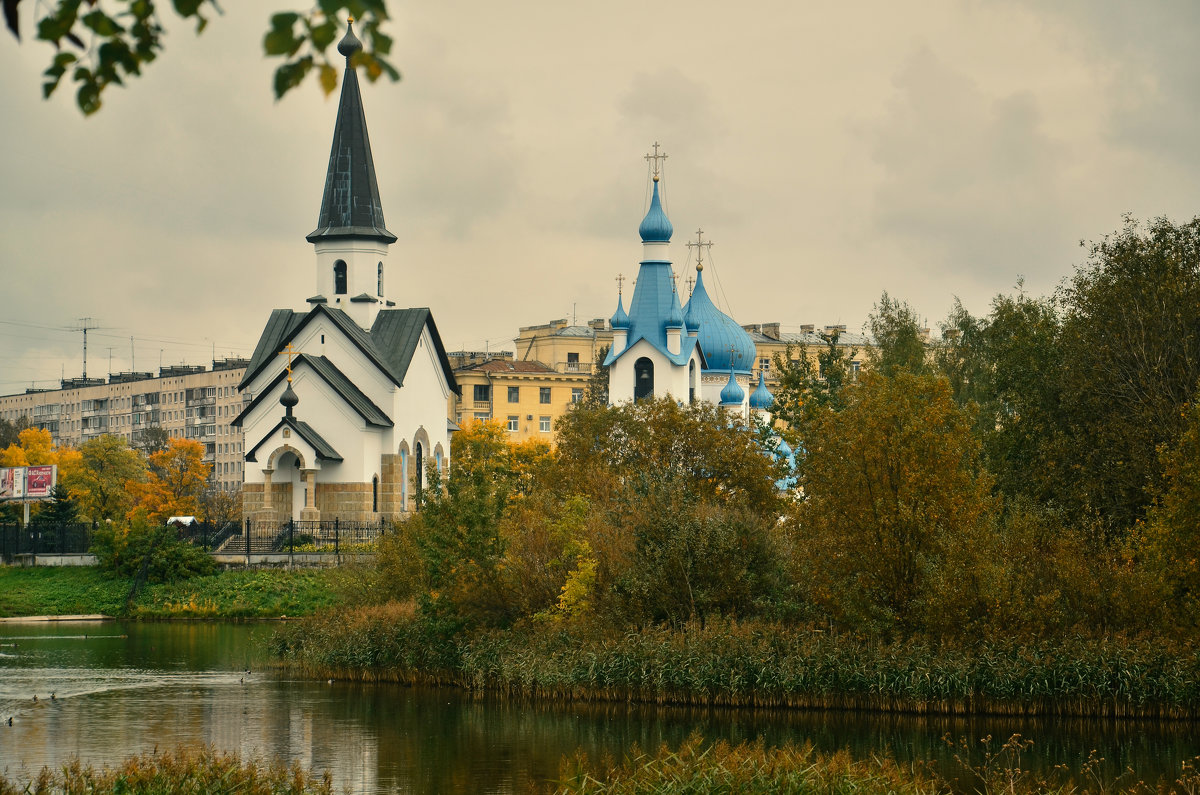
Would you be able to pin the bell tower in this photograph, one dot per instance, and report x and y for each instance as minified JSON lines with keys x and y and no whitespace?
{"x":351,"y":239}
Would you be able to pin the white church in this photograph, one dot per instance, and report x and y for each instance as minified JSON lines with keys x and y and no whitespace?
{"x":690,"y":352}
{"x":350,"y":394}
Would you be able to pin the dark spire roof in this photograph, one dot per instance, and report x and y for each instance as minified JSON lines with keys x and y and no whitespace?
{"x":350,"y":205}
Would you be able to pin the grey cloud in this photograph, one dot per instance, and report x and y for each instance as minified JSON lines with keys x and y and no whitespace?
{"x":969,"y":180}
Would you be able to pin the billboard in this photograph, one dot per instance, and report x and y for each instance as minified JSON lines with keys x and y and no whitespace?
{"x":28,"y":483}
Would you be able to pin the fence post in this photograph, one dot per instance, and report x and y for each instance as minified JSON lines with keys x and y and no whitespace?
{"x":291,"y":543}
{"x":35,"y":534}
{"x":336,"y":536}
{"x":249,"y":525}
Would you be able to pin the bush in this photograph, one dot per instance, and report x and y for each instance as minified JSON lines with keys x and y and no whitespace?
{"x":153,"y":552}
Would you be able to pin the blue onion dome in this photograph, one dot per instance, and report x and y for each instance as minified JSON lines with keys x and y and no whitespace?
{"x":783,"y":449}
{"x":691,"y":318}
{"x":718,"y":332}
{"x":733,"y":393}
{"x":620,"y":320}
{"x":656,"y":227}
{"x":761,"y":398}
{"x":674,"y":314}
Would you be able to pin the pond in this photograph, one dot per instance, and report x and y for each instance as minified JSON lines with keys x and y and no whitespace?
{"x":106,"y":690}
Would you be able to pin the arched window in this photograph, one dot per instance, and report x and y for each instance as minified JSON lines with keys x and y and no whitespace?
{"x":419,"y":460}
{"x":643,"y":378}
{"x":692,"y":381}
{"x":379,"y":281}
{"x":375,"y":494}
{"x":403,"y":479}
{"x":339,"y":277}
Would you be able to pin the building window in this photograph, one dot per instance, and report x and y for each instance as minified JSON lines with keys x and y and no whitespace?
{"x":482,"y":416}
{"x":572,"y":362}
{"x":339,"y":277}
{"x":514,"y":422}
{"x":375,"y":494}
{"x":379,"y":281}
{"x":544,"y":424}
{"x":577,"y":394}
{"x":514,"y":394}
{"x":764,"y":364}
{"x":544,"y":394}
{"x":854,"y":368}
{"x":483,"y":393}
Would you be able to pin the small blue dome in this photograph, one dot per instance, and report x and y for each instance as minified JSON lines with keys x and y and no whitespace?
{"x":761,"y":398}
{"x":691,"y":318}
{"x":718,"y":332}
{"x":674,"y":314}
{"x":733,"y":393}
{"x":620,"y":320}
{"x":656,"y":227}
{"x":783,"y":450}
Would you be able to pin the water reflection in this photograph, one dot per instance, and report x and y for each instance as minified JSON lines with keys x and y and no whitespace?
{"x":121,"y":688}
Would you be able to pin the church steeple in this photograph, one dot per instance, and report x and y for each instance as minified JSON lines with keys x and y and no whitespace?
{"x":350,"y":205}
{"x":351,"y":239}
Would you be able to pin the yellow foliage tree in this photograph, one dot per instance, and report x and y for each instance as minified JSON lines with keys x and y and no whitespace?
{"x":36,"y":447}
{"x":178,"y":476}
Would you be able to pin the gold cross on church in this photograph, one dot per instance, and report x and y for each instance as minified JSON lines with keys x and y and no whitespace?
{"x":620,"y":282}
{"x":289,"y":351}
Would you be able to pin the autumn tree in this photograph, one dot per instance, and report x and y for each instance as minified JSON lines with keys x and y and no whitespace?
{"x":177,"y":478}
{"x":104,"y":44}
{"x":897,"y":342}
{"x":894,"y":488}
{"x":103,"y":483}
{"x":804,"y":386}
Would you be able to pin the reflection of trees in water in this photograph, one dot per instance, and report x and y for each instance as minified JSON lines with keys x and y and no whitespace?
{"x":390,"y":737}
{"x":433,"y":740}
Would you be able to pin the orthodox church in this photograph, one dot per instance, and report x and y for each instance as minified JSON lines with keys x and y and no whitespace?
{"x":348,"y":397}
{"x":690,"y":352}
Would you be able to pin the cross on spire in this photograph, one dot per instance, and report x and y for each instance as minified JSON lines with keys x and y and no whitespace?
{"x":654,"y":158}
{"x":620,"y":282}
{"x":701,"y":246}
{"x":691,"y":281}
{"x":733,"y":352}
{"x":289,"y":351}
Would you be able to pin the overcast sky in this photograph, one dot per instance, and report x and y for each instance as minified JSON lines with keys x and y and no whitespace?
{"x":831,"y":151}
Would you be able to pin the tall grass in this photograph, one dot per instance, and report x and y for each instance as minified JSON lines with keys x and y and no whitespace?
{"x":761,"y":665}
{"x":187,"y":770}
{"x":695,"y":767}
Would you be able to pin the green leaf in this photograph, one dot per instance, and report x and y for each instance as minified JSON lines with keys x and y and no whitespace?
{"x":281,"y":39}
{"x":329,"y":79}
{"x":323,"y":35}
{"x":102,"y":23}
{"x":187,"y":8}
{"x":291,"y":74}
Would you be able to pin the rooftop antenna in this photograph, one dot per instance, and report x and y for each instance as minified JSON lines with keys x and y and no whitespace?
{"x":84,"y":324}
{"x":132,"y":365}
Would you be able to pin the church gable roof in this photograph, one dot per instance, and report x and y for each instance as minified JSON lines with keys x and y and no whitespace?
{"x":337,"y":381}
{"x":389,"y":345}
{"x":322,"y":448}
{"x":396,"y":333}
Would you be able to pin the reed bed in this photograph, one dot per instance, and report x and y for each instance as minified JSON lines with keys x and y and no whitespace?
{"x":747,"y":768}
{"x":186,"y":770}
{"x":760,"y":665}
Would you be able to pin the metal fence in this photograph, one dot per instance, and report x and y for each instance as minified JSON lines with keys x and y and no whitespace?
{"x":44,"y":539}
{"x":332,"y":537}
{"x":294,"y":537}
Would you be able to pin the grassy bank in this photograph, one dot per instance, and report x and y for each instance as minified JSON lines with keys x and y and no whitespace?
{"x":238,"y":593}
{"x":759,"y":664}
{"x":202,"y":770}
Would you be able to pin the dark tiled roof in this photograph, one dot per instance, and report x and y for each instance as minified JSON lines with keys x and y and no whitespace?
{"x":336,"y":380}
{"x":350,"y":205}
{"x":390,"y":344}
{"x":324,"y":449}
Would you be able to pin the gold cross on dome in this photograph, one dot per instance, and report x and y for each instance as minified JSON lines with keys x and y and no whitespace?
{"x":691,"y":282}
{"x":654,"y":158}
{"x":289,"y":351}
{"x":620,"y":282}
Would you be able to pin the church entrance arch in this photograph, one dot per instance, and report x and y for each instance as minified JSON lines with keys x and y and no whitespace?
{"x":288,"y":464}
{"x":643,"y":378}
